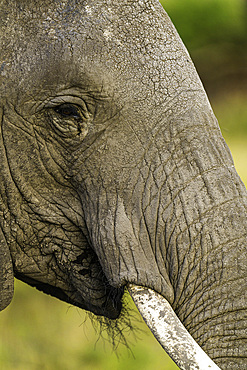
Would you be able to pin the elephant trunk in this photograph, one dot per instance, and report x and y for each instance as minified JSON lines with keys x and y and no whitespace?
{"x":205,"y":250}
{"x":205,"y":238}
{"x":210,"y":291}
{"x":175,"y":221}
{"x":201,"y":225}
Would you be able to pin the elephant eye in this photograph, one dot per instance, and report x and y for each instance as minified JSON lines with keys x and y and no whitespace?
{"x":68,"y":111}
{"x":68,"y":120}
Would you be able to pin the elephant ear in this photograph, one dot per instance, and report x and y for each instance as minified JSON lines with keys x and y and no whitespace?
{"x":6,"y":274}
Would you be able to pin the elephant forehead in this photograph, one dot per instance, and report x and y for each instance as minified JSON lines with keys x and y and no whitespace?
{"x":86,"y":26}
{"x":36,"y":39}
{"x":133,"y":41}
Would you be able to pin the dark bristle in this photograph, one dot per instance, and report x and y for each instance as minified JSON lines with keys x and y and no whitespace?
{"x":120,"y":331}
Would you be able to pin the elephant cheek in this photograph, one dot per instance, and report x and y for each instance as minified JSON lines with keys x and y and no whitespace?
{"x":6,"y":274}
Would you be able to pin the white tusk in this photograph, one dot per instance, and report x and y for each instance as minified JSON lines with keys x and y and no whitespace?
{"x":169,"y":331}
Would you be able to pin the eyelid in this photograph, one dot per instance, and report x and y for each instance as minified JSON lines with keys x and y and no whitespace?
{"x":53,"y":102}
{"x":59,"y":100}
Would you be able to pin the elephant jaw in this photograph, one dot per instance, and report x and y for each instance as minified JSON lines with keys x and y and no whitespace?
{"x":169,"y":331}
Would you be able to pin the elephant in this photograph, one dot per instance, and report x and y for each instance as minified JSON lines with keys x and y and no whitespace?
{"x":115,"y":174}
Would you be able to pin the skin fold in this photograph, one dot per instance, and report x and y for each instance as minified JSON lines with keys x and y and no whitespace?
{"x":114,"y":170}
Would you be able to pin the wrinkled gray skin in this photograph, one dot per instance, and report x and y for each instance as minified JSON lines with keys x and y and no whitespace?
{"x":114,"y":170}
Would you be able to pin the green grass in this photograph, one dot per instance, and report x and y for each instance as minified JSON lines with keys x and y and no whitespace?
{"x":239,"y":153}
{"x":231,"y":111}
{"x":208,"y":21}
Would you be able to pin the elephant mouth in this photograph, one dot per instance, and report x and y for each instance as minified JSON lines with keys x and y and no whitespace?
{"x":110,"y":308}
{"x":72,"y":272}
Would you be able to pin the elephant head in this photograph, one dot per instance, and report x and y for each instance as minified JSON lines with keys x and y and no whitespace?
{"x":114,"y":170}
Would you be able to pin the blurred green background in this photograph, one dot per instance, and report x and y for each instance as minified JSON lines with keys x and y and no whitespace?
{"x":40,"y":332}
